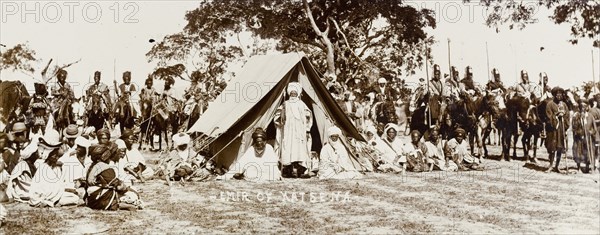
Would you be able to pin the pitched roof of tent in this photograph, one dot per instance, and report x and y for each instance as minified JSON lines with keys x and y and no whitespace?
{"x":259,"y":76}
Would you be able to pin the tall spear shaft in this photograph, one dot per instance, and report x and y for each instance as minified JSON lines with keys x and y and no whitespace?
{"x":449,"y":63}
{"x":593,"y":73}
{"x":428,"y":90}
{"x":487,"y":53}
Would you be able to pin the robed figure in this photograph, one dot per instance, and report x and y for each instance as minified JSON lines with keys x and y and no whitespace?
{"x":294,"y":121}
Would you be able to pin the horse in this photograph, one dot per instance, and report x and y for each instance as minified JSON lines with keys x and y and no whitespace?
{"x":428,"y":112}
{"x":382,"y":113}
{"x":473,"y":114}
{"x":146,"y":107}
{"x":64,"y":113}
{"x":96,"y":117}
{"x":13,"y":96}
{"x":514,"y":114}
{"x":533,"y":127}
{"x":124,"y":114}
{"x":162,"y":118}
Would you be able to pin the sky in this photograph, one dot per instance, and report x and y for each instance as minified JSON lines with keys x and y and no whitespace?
{"x":113,"y":36}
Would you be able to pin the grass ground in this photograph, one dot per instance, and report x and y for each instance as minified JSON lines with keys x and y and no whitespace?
{"x":505,"y":198}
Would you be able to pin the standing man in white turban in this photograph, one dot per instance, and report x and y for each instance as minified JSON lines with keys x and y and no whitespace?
{"x":294,"y":121}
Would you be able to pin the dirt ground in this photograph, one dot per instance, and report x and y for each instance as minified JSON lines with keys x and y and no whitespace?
{"x":508,"y":197}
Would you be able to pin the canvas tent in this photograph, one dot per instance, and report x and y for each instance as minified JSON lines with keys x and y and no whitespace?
{"x":251,"y":99}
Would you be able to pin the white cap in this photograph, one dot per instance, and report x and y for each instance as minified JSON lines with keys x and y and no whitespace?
{"x":120,"y":144}
{"x":382,"y":80}
{"x":82,"y":141}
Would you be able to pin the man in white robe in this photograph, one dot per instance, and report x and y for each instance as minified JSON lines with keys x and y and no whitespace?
{"x":393,"y":156}
{"x":458,"y":149}
{"x":435,"y":152}
{"x":335,"y":160}
{"x":294,"y":121}
{"x":48,"y":188}
{"x":75,"y":164}
{"x":259,"y":162}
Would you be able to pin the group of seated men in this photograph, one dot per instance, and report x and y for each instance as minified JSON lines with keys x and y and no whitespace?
{"x":77,"y":167}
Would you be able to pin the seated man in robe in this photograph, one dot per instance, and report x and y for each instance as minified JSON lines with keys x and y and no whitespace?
{"x":132,"y":165}
{"x":335,"y":159}
{"x":183,"y":163}
{"x":417,"y":154}
{"x":75,"y":165}
{"x":435,"y":152}
{"x":104,"y":189}
{"x":393,"y":157}
{"x":457,"y":149}
{"x":259,"y":162}
{"x":20,"y":179}
{"x":48,"y":188}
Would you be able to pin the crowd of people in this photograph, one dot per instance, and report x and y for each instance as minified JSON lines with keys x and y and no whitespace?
{"x":82,"y":164}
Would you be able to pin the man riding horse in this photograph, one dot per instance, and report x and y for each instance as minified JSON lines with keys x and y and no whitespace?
{"x":63,"y":98}
{"x":124,"y":110}
{"x":98,"y":103}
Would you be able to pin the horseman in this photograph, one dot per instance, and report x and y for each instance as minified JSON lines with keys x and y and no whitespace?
{"x":495,"y":85}
{"x":196,"y":99}
{"x":436,"y":91}
{"x":147,"y":95}
{"x":453,"y":84}
{"x":467,"y":84}
{"x":384,"y":92}
{"x":100,"y":92}
{"x":125,"y":109}
{"x":524,"y":88}
{"x":63,"y":97}
{"x":545,"y":88}
{"x":349,"y":106}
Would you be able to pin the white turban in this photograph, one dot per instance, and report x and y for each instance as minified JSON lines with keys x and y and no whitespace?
{"x":120,"y":144}
{"x":89,"y":130}
{"x":391,"y":126}
{"x":371,"y":129}
{"x":294,"y":86}
{"x":83,"y":142}
{"x":334,"y":130}
{"x":382,"y":80}
{"x":181,"y":139}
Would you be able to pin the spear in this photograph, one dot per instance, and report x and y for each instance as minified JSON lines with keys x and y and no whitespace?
{"x":593,"y":73}
{"x":487,"y":53}
{"x":428,"y":91}
{"x":449,"y":64}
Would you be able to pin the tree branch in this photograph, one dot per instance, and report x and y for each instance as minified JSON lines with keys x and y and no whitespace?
{"x":311,"y":18}
{"x":345,"y":38}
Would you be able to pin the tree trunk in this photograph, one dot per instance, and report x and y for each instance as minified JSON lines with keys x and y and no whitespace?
{"x":323,"y":38}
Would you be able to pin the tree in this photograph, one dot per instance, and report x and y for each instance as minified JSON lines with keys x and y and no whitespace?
{"x":582,"y":15}
{"x":22,"y":58}
{"x":18,"y":58}
{"x":348,"y":38}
